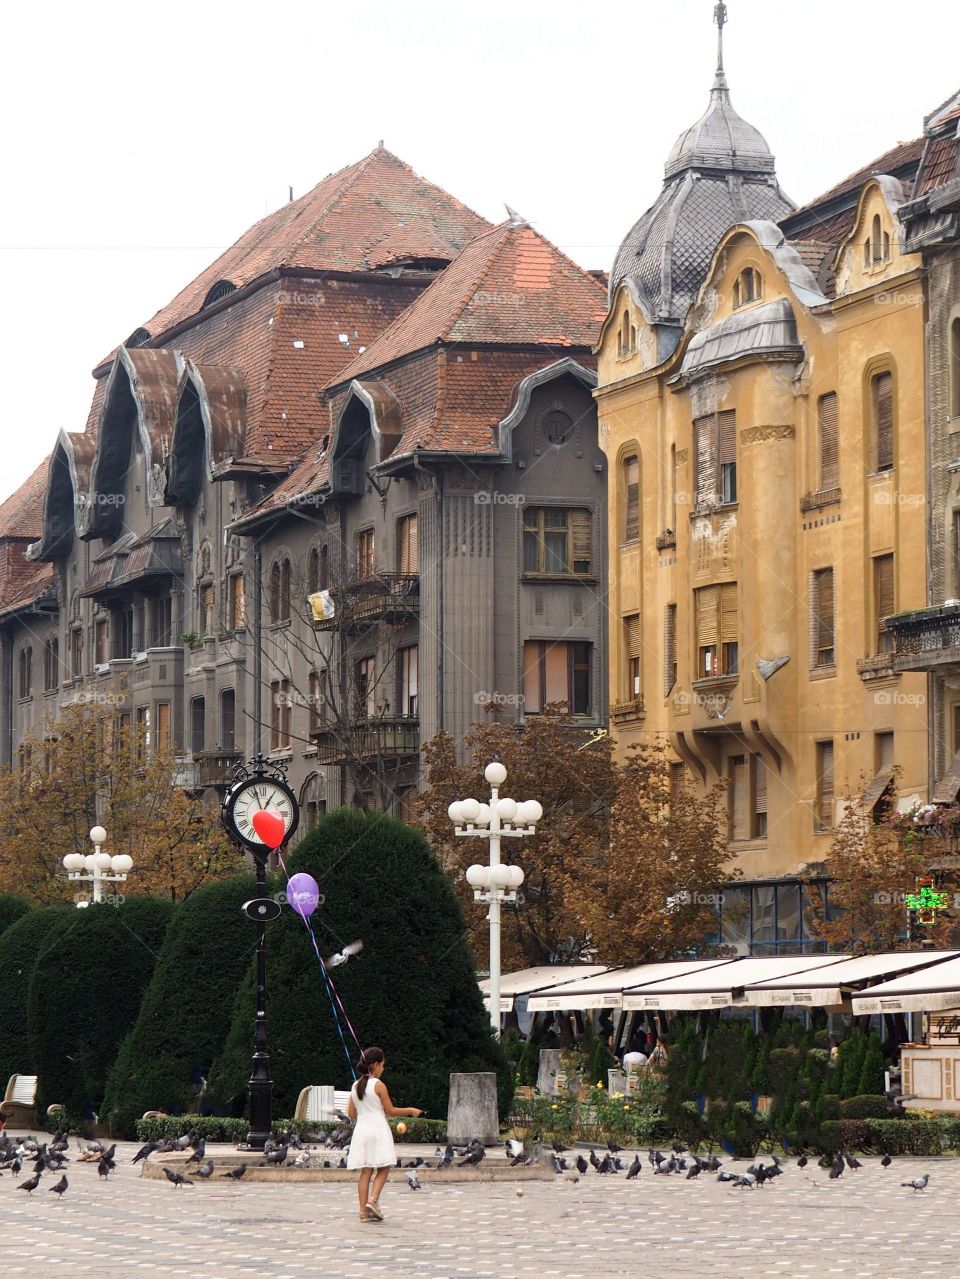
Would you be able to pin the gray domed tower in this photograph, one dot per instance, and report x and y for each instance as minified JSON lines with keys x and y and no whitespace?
{"x":720,"y":172}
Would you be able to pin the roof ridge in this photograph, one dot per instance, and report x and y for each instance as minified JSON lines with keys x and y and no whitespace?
{"x":359,"y":167}
{"x":474,"y":287}
{"x":581,"y":270}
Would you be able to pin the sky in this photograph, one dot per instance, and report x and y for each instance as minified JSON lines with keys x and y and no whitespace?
{"x":142,"y":140}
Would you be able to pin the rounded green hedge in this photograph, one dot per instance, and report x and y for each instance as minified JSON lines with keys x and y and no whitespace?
{"x":184,"y":1018}
{"x":12,"y":908}
{"x":85,"y":995}
{"x":34,"y":934}
{"x":412,"y":990}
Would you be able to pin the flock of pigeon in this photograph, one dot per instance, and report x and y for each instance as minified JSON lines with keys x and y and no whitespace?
{"x":52,"y":1157}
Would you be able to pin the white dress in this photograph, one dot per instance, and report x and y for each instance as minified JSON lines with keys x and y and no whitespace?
{"x":371,"y":1145}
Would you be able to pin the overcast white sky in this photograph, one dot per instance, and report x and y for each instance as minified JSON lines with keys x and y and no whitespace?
{"x":141,"y":140}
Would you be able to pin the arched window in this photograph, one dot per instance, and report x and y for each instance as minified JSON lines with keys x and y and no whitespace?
{"x":275,"y":592}
{"x":324,"y":569}
{"x":228,"y":719}
{"x":222,"y":289}
{"x":631,"y":485}
{"x":626,"y":336}
{"x":51,"y":664}
{"x":284,"y":590}
{"x":313,"y":571}
{"x":747,"y":287}
{"x":955,"y":367}
{"x":876,"y":239}
{"x":26,"y":672}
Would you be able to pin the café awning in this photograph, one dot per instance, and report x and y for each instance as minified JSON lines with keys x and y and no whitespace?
{"x":836,"y":982}
{"x":926,"y":990}
{"x":539,"y":978}
{"x":719,"y":985}
{"x":608,"y":989}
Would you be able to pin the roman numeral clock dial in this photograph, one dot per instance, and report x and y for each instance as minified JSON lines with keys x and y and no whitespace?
{"x":251,"y":795}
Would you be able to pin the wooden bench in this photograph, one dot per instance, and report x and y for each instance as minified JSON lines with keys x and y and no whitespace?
{"x":17,"y":1107}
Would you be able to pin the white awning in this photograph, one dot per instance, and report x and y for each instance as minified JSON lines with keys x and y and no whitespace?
{"x":720,"y":985}
{"x":926,"y":990}
{"x":835,"y":983}
{"x":606,"y":990}
{"x":540,"y":978}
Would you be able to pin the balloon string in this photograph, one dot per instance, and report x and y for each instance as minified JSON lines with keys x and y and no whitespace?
{"x":331,"y":989}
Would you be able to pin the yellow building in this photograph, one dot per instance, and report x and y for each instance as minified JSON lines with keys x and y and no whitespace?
{"x":762,"y":408}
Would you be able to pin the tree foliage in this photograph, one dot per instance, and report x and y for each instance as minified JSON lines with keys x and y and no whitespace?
{"x":90,"y":769}
{"x":412,"y":989}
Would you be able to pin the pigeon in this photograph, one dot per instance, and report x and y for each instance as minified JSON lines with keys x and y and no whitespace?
{"x":514,"y":1148}
{"x":634,"y":1169}
{"x":886,"y":1161}
{"x":918,"y":1183}
{"x":341,"y":957}
{"x":276,"y":1156}
{"x":31,"y":1185}
{"x":187,"y":1139}
{"x":606,"y":1165}
{"x":560,"y":1148}
{"x":446,"y":1158}
{"x":594,"y":1161}
{"x":198,"y":1152}
{"x":176,"y":1178}
{"x":614,"y":1148}
{"x":234,"y":1173}
{"x":60,"y":1187}
{"x":726,"y":1176}
{"x":413,"y":1181}
{"x":146,"y":1151}
{"x":693,"y":1172}
{"x":108,"y":1154}
{"x":473,"y":1157}
{"x":582,"y":1165}
{"x":853,"y":1162}
{"x":105,"y":1166}
{"x":206,"y":1170}
{"x":747,"y":1182}
{"x":802,"y":1161}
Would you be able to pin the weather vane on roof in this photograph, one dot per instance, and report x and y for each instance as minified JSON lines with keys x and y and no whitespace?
{"x":720,"y":18}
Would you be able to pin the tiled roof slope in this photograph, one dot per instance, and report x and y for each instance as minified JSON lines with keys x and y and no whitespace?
{"x":22,"y":583}
{"x":21,"y":515}
{"x":831,"y":215}
{"x":366,"y":216}
{"x":509,"y":287}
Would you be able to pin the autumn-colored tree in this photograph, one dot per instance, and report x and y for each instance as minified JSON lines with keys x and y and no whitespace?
{"x":653,"y":893}
{"x":621,"y":869}
{"x":87,"y":769}
{"x":572,"y":775}
{"x":876,"y":861}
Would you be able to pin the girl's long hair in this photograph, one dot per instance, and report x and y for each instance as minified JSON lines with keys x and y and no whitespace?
{"x":368,"y":1057}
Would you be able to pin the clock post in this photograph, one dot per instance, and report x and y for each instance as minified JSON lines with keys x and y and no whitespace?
{"x":260,"y":812}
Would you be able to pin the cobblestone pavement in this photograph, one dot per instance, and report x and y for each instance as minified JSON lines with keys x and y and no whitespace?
{"x":865,"y":1225}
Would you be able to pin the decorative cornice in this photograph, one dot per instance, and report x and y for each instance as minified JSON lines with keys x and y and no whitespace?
{"x":763,"y":434}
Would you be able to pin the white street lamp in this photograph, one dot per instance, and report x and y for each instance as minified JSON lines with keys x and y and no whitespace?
{"x":495,"y":883}
{"x":94,"y":866}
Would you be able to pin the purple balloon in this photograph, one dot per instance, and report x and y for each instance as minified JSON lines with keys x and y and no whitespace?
{"x":303,"y":894}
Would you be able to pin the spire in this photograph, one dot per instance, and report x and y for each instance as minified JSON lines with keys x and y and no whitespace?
{"x":720,"y":18}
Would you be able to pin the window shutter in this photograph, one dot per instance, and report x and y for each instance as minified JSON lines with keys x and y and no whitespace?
{"x":760,"y":784}
{"x":883,"y":588}
{"x":669,"y":648}
{"x":728,"y":613}
{"x":825,"y":782}
{"x":823,"y":617}
{"x":631,"y":469}
{"x":883,"y":409}
{"x":705,"y":448}
{"x":581,"y":540}
{"x":829,"y":442}
{"x":885,"y":751}
{"x":632,"y":628}
{"x":740,"y":799}
{"x":727,"y":433}
{"x":707,"y":616}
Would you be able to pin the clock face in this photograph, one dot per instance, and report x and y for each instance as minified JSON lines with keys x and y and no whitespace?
{"x":250,"y":797}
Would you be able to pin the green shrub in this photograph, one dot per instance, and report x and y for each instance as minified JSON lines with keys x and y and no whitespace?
{"x":782,"y":1067}
{"x":871,"y":1072}
{"x":883,"y":1136}
{"x":869,"y":1106}
{"x":412,"y":990}
{"x":33,"y":934}
{"x":85,"y":995}
{"x":184,"y":1018}
{"x":232,"y":1130}
{"x":12,"y":908}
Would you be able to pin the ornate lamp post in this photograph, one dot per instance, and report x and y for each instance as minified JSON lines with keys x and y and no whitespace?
{"x":495,"y":883}
{"x":93,"y":867}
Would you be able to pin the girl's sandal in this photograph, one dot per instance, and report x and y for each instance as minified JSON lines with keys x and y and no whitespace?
{"x":374,"y":1210}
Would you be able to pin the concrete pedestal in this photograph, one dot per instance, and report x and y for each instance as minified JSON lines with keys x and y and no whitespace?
{"x":472,"y":1109}
{"x":548,"y":1070}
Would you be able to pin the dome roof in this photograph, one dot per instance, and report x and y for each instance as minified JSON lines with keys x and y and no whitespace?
{"x":720,"y":172}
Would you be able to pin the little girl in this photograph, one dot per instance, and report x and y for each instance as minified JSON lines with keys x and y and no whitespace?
{"x":371,"y":1147}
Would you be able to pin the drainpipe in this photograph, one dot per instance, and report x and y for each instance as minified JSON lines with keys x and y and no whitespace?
{"x":6,"y":676}
{"x":342,"y":678}
{"x":257,"y":651}
{"x":437,"y":478}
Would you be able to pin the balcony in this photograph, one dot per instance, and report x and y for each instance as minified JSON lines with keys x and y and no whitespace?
{"x":623,"y":712}
{"x":926,"y":639}
{"x":386,"y":597}
{"x":392,"y":737}
{"x":216,"y":768}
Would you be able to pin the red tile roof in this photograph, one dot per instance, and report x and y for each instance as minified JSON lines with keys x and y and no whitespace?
{"x":21,"y":582}
{"x":510,"y":287}
{"x":366,"y":216}
{"x":21,"y":515}
{"x":939,"y":164}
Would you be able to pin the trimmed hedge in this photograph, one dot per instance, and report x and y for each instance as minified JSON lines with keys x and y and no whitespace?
{"x":32,"y":935}
{"x":232,"y":1130}
{"x":183,"y":1024}
{"x":412,"y":990}
{"x":12,"y":908}
{"x":868,"y":1106}
{"x":890,"y":1136}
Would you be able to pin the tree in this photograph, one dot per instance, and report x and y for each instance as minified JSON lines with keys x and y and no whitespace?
{"x":90,"y":768}
{"x":412,"y":989}
{"x":85,"y":993}
{"x":573,"y":777}
{"x":21,"y":945}
{"x":184,"y":1018}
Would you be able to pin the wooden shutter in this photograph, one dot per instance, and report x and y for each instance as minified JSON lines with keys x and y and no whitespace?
{"x":581,"y":540}
{"x":883,"y":592}
{"x":829,"y":441}
{"x":631,"y":627}
{"x":727,"y":435}
{"x":823,"y":619}
{"x":728,"y":613}
{"x":825,"y":785}
{"x":883,"y":414}
{"x":740,"y":798}
{"x":705,"y":450}
{"x":669,"y":648}
{"x":884,"y":752}
{"x":708,"y":616}
{"x":631,"y":469}
{"x":759,"y":784}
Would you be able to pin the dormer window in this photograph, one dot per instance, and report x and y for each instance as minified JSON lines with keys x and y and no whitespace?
{"x":626,"y":336}
{"x":222,"y":289}
{"x":876,"y":247}
{"x":748,"y":287}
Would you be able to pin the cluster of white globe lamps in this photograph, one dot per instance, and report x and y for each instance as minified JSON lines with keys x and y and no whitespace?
{"x":96,"y":866}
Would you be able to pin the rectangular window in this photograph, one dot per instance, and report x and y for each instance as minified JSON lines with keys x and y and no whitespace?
{"x":408,"y":545}
{"x":366,"y":671}
{"x":883,"y":752}
{"x":823,"y":814}
{"x":717,"y":630}
{"x":143,"y":732}
{"x":631,"y":480}
{"x":164,"y":735}
{"x":738,"y":796}
{"x":727,"y":431}
{"x":822,"y":618}
{"x":198,"y":725}
{"x":883,"y":601}
{"x":123,"y":632}
{"x":406,"y":803}
{"x":715,"y":458}
{"x":759,"y":823}
{"x":76,"y":652}
{"x":51,"y":665}
{"x":102,"y":641}
{"x":228,"y":719}
{"x":366,"y":554}
{"x":669,"y":648}
{"x":556,"y":673}
{"x":557,"y":542}
{"x":631,"y":653}
{"x":280,"y":715}
{"x":409,"y":679}
{"x":882,"y":387}
{"x":828,"y":441}
{"x":235,"y":602}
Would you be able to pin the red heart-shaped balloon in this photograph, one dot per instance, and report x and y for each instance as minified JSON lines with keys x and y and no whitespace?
{"x":270,"y":826}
